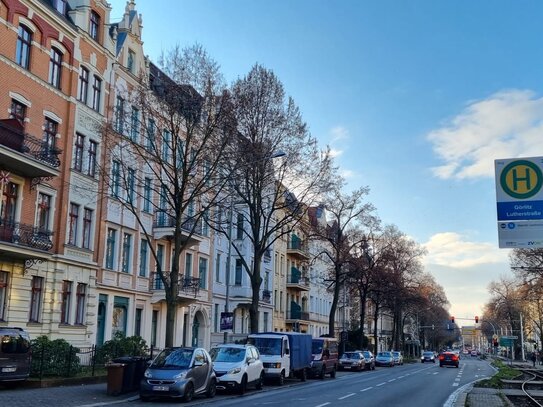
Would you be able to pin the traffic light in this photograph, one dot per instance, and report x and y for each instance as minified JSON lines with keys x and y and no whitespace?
{"x":452,"y":319}
{"x":476,"y":320}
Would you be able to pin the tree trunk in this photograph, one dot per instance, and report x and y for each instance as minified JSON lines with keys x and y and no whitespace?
{"x":256,"y":281}
{"x":333,"y":308}
{"x":171,"y":314}
{"x":363,"y":297}
{"x":375,"y":321}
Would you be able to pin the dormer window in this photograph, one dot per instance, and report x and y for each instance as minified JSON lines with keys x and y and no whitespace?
{"x":60,"y":6}
{"x":131,"y":61}
{"x":94,"y":27}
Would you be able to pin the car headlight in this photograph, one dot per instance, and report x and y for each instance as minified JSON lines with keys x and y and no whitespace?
{"x":180,"y":375}
{"x":148,"y":374}
{"x":235,"y":370}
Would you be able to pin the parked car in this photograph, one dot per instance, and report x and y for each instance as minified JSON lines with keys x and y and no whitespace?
{"x":15,"y":354}
{"x":352,"y":361}
{"x":181,"y":373}
{"x":474,"y":353}
{"x":325,"y":357}
{"x":398,"y":357}
{"x":370,"y":360}
{"x":237,"y":366}
{"x":428,"y":357}
{"x":448,"y":359}
{"x":384,"y":359}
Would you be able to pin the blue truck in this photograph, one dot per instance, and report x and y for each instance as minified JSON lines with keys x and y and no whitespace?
{"x":284,"y":354}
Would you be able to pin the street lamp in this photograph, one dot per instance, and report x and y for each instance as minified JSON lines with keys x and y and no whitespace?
{"x":229,"y":253}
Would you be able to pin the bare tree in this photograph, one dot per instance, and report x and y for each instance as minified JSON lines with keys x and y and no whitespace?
{"x":271,"y":197}
{"x":163,"y":158}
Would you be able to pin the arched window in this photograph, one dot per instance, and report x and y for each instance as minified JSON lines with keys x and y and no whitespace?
{"x":24,"y":42}
{"x":55,"y":67}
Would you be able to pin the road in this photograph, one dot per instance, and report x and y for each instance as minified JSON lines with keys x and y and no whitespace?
{"x":408,"y":385}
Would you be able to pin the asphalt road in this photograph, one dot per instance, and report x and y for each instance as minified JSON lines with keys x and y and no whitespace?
{"x":408,"y":385}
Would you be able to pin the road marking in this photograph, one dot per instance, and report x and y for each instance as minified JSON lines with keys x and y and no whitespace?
{"x":367,"y":388}
{"x":455,"y":384}
{"x":435,"y":373}
{"x":323,"y":404}
{"x":457,"y":379}
{"x":392,"y":380}
{"x":348,"y":395}
{"x":401,"y":377}
{"x":380,"y":384}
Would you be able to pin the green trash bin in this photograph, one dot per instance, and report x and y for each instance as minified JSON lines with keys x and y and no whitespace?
{"x":115,"y":375}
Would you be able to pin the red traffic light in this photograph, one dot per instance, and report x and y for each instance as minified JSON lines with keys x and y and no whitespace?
{"x":476,"y":320}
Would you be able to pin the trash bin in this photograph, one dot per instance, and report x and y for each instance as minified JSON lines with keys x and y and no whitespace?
{"x":115,"y":375}
{"x":129,"y":363}
{"x":141,"y":366}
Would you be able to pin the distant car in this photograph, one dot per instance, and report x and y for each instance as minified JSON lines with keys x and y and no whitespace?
{"x":398,"y":357}
{"x":465,"y":352}
{"x":237,"y":366}
{"x":473,"y":353}
{"x":15,"y":354}
{"x":448,"y":359}
{"x":370,"y":360}
{"x":180,"y":373}
{"x":384,"y":359}
{"x":427,"y":357}
{"x":324,"y":361}
{"x":352,"y":361}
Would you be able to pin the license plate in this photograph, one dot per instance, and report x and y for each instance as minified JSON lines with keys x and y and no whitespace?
{"x":9,"y":369}
{"x":161,"y":388}
{"x":347,"y":367}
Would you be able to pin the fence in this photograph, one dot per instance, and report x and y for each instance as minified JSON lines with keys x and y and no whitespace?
{"x":70,"y":361}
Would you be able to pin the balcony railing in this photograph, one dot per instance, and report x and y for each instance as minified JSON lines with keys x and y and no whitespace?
{"x":26,"y":235}
{"x":187,"y":284}
{"x":163,"y":219}
{"x":297,"y":314}
{"x":266,"y":296}
{"x":296,"y":277}
{"x":296,"y":246}
{"x":12,"y":135}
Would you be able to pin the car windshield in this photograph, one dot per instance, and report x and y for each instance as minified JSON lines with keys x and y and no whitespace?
{"x":396,"y":353}
{"x":173,"y":359}
{"x":384,"y":354}
{"x":351,"y":355}
{"x":428,"y":353}
{"x":316,"y":346}
{"x":367,"y":355}
{"x":267,"y":346}
{"x":226,"y":354}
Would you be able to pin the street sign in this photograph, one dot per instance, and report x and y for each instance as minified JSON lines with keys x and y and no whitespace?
{"x":510,"y":337}
{"x":519,"y":198}
{"x":506,"y":342}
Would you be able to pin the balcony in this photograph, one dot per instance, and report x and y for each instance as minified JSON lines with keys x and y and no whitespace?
{"x":266,"y":296}
{"x":164,"y":225}
{"x":24,"y":154}
{"x":296,"y":280}
{"x":188,"y":288}
{"x":25,"y":242}
{"x":297,"y":248}
{"x":296,"y":315}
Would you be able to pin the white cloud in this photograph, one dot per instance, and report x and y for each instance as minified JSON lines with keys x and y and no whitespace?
{"x":453,"y":250}
{"x":347,"y":173}
{"x":335,"y":152}
{"x":508,"y":124}
{"x":338,"y":133}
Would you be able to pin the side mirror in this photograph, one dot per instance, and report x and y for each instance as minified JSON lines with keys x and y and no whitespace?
{"x":250,"y":360}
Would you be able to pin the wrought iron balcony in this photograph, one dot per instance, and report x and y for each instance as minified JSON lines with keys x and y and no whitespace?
{"x":297,"y":314}
{"x":165,"y":225}
{"x":187,"y":284}
{"x":26,"y":235}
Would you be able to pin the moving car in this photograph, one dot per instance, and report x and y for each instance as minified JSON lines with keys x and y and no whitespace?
{"x":427,"y":357}
{"x":237,"y":366}
{"x":384,"y":359}
{"x":181,"y":373}
{"x":370,"y":360}
{"x":15,"y":354}
{"x":352,"y":361}
{"x":448,"y":359}
{"x":398,"y":357}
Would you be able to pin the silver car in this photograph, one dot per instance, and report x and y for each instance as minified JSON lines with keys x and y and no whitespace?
{"x":179,"y":372}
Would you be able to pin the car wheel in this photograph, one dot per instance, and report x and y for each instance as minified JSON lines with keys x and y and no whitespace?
{"x":211,"y":389}
{"x":322,"y":373}
{"x":281,"y":379}
{"x":260,"y":382}
{"x":373,"y":367}
{"x":189,"y":392}
{"x":303,"y":375}
{"x":333,"y":373}
{"x":243,"y":385}
{"x":422,"y":361}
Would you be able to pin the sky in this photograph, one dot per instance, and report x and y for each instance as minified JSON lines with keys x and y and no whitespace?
{"x":415,"y":98}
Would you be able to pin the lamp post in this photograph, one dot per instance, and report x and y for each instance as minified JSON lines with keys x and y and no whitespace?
{"x":229,"y":253}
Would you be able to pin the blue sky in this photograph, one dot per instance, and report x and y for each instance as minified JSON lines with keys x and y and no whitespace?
{"x":416,"y":98}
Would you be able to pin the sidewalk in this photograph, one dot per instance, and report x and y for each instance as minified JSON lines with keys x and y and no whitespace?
{"x":86,"y":395}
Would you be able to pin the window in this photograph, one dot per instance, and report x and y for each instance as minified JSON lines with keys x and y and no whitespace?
{"x":24,"y":42}
{"x":49,"y":138}
{"x":239,"y":270}
{"x":96,"y":93}
{"x":202,"y":272}
{"x":55,"y":67}
{"x":131,"y":185}
{"x":36,"y":299}
{"x":147,"y":195}
{"x":72,"y":224}
{"x":91,"y":167}
{"x":78,"y":154}
{"x":60,"y":6}
{"x":110,"y":248}
{"x":135,"y":124}
{"x":3,"y":294}
{"x":217,"y":318}
{"x":127,"y":249}
{"x":131,"y":61}
{"x":239,"y":226}
{"x":218,"y":268}
{"x":266,"y":319}
{"x":166,"y":145}
{"x":80,"y":303}
{"x":87,"y":228}
{"x":137,"y":325}
{"x":150,"y":142}
{"x":115,"y":178}
{"x":188,"y":265}
{"x":94,"y":26}
{"x":65,"y":305}
{"x":83,"y":85}
{"x":119,"y":115}
{"x":160,"y":255}
{"x":204,"y":223}
{"x":18,"y":111}
{"x":9,"y":204}
{"x":144,"y":247}
{"x":44,"y":211}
